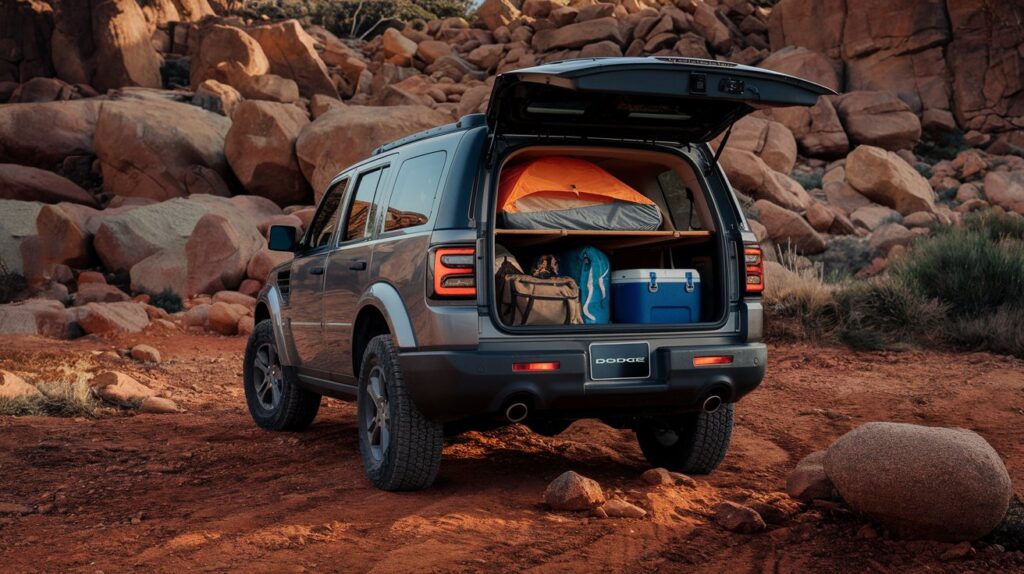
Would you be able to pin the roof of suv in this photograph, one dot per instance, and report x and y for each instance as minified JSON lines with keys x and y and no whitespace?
{"x":465,"y":123}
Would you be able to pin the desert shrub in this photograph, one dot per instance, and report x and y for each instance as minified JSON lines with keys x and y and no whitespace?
{"x":11,"y":283}
{"x":944,"y":146}
{"x":993,"y":224}
{"x":352,"y":17}
{"x":57,"y":400}
{"x":887,"y":310}
{"x":967,"y":270}
{"x":167,"y":300}
{"x":797,"y":300}
{"x":999,"y":332}
{"x":808,"y":179}
{"x":923,"y":169}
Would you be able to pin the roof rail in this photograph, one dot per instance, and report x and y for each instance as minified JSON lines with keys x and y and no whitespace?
{"x":465,"y":122}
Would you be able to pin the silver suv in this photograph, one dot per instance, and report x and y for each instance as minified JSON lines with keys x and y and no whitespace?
{"x":389,"y":300}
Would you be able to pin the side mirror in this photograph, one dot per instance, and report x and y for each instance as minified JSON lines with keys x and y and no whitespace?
{"x":282,"y":238}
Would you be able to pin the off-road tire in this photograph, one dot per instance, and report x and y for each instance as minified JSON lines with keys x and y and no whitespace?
{"x":296,"y":407}
{"x":413,"y":453}
{"x":702,"y":441}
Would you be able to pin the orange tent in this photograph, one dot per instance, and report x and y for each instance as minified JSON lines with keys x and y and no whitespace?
{"x":567,"y":193}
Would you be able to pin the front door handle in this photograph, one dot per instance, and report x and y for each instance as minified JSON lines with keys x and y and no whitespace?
{"x":316,"y":271}
{"x":357,"y":265}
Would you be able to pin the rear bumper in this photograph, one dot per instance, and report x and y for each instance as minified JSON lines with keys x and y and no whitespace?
{"x":452,"y":385}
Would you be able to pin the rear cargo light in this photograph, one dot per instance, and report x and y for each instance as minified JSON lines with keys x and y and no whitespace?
{"x":534,"y":367}
{"x":712,"y":360}
{"x":454,"y":272}
{"x":753,"y":261}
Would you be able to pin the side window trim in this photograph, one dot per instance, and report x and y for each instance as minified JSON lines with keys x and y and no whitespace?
{"x":307,"y":237}
{"x":349,"y":200}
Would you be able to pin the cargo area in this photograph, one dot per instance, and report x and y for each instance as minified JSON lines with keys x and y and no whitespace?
{"x":634,"y":230}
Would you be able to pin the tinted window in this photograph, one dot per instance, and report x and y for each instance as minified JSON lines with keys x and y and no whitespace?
{"x":415,"y":189}
{"x":321,"y":230}
{"x":361,"y":212}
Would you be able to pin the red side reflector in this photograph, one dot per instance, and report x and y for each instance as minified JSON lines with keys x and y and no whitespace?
{"x":533,"y":367}
{"x":714,"y":360}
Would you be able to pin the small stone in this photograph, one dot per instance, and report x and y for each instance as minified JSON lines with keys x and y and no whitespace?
{"x":808,"y":480}
{"x":867,"y":532}
{"x":656,"y":476}
{"x":146,"y":354}
{"x":738,"y":518}
{"x":13,"y":387}
{"x":683,"y":480}
{"x":119,"y":389}
{"x":572,"y":491}
{"x":158,"y":406}
{"x":618,"y":508}
{"x":12,"y":508}
{"x":958,"y":551}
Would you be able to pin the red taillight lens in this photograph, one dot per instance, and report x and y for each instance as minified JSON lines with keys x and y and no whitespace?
{"x":714,"y":360}
{"x":753,"y":261}
{"x":455,"y":272}
{"x":534,"y":367}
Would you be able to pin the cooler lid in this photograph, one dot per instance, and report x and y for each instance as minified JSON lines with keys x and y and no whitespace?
{"x":657,"y":275}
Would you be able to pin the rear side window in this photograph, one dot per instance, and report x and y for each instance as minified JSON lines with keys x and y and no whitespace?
{"x":326,"y":220}
{"x":679,"y":200}
{"x":360,"y":214}
{"x":415,"y":189}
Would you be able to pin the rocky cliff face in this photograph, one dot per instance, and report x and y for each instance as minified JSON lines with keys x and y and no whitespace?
{"x":121,"y":112}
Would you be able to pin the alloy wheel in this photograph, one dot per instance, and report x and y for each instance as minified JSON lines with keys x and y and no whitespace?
{"x":376,"y":422}
{"x":268,"y":376}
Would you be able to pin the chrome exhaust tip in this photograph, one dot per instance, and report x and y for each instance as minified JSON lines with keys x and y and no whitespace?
{"x":516,"y":412}
{"x":712,"y":403}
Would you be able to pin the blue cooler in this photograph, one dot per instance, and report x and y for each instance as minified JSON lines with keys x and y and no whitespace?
{"x":656,"y":296}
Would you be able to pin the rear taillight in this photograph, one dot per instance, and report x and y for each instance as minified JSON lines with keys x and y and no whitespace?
{"x":753,"y":261}
{"x":454,"y":272}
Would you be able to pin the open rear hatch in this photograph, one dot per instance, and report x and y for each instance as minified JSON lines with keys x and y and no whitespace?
{"x":684,"y":100}
{"x":583,"y":106}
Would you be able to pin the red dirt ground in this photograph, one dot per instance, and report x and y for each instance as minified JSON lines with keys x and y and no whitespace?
{"x":205,"y":490}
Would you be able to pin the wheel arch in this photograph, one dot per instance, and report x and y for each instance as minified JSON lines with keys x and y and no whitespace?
{"x":268,"y":306}
{"x":381,"y":312}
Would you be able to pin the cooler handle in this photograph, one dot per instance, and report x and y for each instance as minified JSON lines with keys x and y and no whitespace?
{"x":689,"y":282}
{"x":652,"y":286}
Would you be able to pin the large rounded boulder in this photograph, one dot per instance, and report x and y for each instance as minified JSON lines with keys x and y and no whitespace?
{"x":260,"y":147}
{"x":921,"y":482}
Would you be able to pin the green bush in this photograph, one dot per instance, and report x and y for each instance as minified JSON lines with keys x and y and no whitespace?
{"x":890,"y":307}
{"x":945,"y":146}
{"x":963,"y":286}
{"x":352,"y":17}
{"x":167,"y":300}
{"x":808,"y":180}
{"x":999,"y":332}
{"x":11,"y":284}
{"x":967,"y":270}
{"x":995,"y":225}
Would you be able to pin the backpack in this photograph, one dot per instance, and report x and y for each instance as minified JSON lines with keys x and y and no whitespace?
{"x":590,"y":267}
